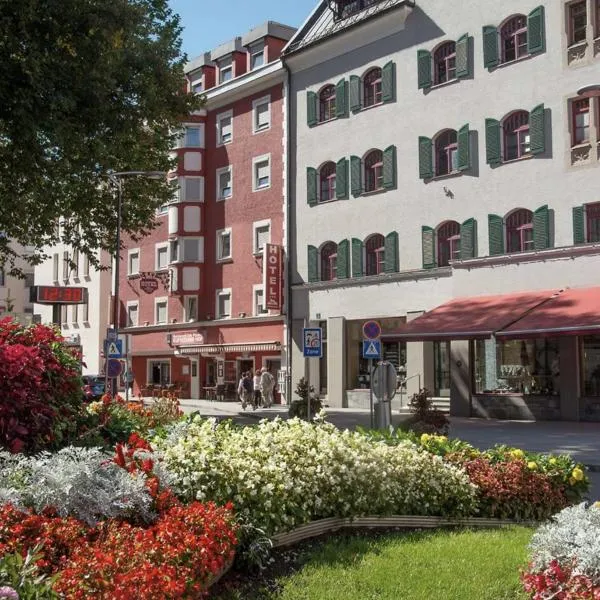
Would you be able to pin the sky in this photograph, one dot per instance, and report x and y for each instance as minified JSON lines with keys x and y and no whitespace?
{"x":208,"y":24}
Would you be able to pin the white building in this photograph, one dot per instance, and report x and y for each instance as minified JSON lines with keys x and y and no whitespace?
{"x":14,"y":292}
{"x":440,"y":151}
{"x":81,"y":325}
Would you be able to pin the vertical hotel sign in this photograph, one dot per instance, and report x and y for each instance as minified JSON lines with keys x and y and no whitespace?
{"x":273,"y":272}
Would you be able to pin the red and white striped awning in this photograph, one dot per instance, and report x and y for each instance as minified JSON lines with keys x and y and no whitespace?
{"x":211,"y":349}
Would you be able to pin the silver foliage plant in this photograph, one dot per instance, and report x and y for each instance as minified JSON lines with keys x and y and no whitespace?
{"x":78,"y":482}
{"x":572,"y":537}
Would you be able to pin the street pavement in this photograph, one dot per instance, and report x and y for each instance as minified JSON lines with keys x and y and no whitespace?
{"x":579,"y":440}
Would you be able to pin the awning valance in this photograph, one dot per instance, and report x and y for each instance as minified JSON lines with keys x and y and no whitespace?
{"x":475,"y":317}
{"x":211,"y":349}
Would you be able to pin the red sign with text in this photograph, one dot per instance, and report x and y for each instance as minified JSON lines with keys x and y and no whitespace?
{"x":149,"y":284}
{"x":273,"y":266}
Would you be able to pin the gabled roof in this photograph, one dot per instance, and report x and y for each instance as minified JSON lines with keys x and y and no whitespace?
{"x":322,"y":24}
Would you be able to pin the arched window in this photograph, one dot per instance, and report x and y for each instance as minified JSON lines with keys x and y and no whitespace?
{"x":372,"y":88}
{"x":513,"y":38}
{"x":327,"y":182}
{"x":444,"y":59}
{"x":374,"y":171}
{"x":519,"y":231}
{"x":327,"y":103}
{"x":448,"y":243}
{"x":329,"y":261}
{"x":375,"y":254}
{"x":446,"y":152}
{"x":516,"y":135}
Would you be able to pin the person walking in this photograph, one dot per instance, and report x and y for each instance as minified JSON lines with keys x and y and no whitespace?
{"x":267,"y":384}
{"x":242,"y":391}
{"x":256,"y":387}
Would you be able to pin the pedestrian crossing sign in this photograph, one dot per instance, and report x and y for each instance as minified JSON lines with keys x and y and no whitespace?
{"x":113,"y":349}
{"x":371,"y":349}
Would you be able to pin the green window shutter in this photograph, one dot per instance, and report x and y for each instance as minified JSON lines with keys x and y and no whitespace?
{"x":490,"y":46}
{"x":341,"y":179}
{"x":579,"y":225}
{"x":493,"y":150}
{"x":356,"y":175}
{"x":496,"y":234}
{"x":468,"y":239}
{"x":425,"y":158}
{"x":389,"y":168}
{"x":357,"y":258}
{"x":390,"y":253}
{"x":464,"y":159}
{"x":462,"y":57}
{"x":311,"y":109}
{"x":541,"y":228}
{"x":537,"y":129}
{"x":355,"y":82}
{"x":424,"y":69}
{"x":428,"y":240}
{"x":536,"y":31}
{"x":311,"y":186}
{"x":387,"y":82}
{"x":341,"y":99}
{"x":313,"y":264}
{"x":343,"y":259}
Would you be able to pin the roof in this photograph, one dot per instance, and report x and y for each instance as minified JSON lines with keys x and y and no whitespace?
{"x":269,"y":28}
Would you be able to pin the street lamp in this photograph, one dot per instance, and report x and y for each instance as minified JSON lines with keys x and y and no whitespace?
{"x":116,"y":178}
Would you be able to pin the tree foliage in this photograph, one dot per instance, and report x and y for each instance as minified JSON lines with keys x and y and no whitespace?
{"x":87,"y":87}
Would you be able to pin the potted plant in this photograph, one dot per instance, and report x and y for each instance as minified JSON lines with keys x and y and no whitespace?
{"x":306,"y":394}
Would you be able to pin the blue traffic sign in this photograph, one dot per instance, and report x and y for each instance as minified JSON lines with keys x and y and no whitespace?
{"x":371,"y":330}
{"x":313,"y":342}
{"x":114,"y":368}
{"x":113,"y":349}
{"x":371,"y":349}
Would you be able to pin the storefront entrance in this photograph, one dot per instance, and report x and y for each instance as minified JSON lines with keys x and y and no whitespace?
{"x":194,"y":379}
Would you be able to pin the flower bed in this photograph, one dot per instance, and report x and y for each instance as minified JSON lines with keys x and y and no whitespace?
{"x":565,"y":556}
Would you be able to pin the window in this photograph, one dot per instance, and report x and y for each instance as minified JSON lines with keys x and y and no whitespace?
{"x":193,"y":137}
{"x":262,"y":172}
{"x":441,"y":369}
{"x":592,"y":212}
{"x":64,"y":316}
{"x":375,"y":254}
{"x":197,"y":86}
{"x":257,"y":55}
{"x":132,"y":314}
{"x":372,"y":92}
{"x":86,"y":266}
{"x":66,"y":266}
{"x":261,"y":110}
{"x":580,"y":110}
{"x":528,"y":367}
{"x":374,"y":171}
{"x":223,"y":304}
{"x":327,"y":180}
{"x":159,"y":372}
{"x":446,"y":153}
{"x":193,"y":189}
{"x":29,"y":280}
{"x":224,"y":244}
{"x":519,"y":231}
{"x":516,"y":135}
{"x":444,"y":60}
{"x":577,"y":22}
{"x":162,"y":210}
{"x":327,"y":104}
{"x":2,"y":277}
{"x":190,"y":249}
{"x":160,"y":311}
{"x":225,"y":70}
{"x":448,"y":243}
{"x":590,"y":365}
{"x":190,"y":308}
{"x":55,"y":261}
{"x":75,"y":263}
{"x":85,"y":313}
{"x":162,"y":257}
{"x":224,"y":183}
{"x":259,"y":301}
{"x":133,"y":262}
{"x":225,"y":128}
{"x":329,"y":261}
{"x":513,"y":39}
{"x":262,"y":236}
{"x":345,"y":8}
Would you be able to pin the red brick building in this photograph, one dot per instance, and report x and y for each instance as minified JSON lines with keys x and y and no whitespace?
{"x":197,"y":301}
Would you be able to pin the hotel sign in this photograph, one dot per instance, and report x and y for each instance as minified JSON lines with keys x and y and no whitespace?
{"x":273,"y":275}
{"x":187,"y":338}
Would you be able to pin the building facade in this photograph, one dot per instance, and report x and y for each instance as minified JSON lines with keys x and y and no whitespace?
{"x":14,"y":292}
{"x":441,"y":151}
{"x":199,"y":305}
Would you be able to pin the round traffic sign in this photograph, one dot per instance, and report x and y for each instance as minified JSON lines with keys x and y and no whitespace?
{"x":371,"y":330}
{"x":114,"y":367}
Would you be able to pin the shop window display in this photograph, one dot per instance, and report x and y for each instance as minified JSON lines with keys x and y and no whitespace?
{"x":591,"y":366}
{"x":528,"y":367}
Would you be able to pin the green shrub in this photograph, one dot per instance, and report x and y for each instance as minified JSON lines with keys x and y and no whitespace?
{"x":23,"y":576}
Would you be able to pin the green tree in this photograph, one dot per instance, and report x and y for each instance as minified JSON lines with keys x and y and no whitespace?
{"x":86,"y":87}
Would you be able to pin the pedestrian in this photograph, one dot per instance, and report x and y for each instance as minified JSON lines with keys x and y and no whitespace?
{"x":241,"y":391}
{"x":248,"y":386}
{"x":267,"y":384}
{"x":256,"y":387}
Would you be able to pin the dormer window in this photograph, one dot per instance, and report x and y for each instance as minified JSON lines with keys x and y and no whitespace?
{"x":197,"y":85}
{"x":225,"y":70}
{"x":257,"y":55}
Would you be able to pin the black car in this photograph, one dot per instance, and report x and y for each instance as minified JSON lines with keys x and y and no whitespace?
{"x":93,"y":386}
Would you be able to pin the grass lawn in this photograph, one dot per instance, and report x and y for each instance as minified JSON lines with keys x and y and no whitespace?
{"x":441,"y":565}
